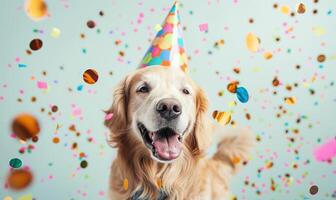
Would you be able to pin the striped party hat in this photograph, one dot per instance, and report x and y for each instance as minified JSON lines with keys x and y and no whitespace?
{"x":167,"y":48}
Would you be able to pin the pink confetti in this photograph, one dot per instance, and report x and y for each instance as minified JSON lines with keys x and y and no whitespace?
{"x":76,"y":112}
{"x":108,"y":116}
{"x":326,"y":151}
{"x":42,"y":85}
{"x":203,"y":27}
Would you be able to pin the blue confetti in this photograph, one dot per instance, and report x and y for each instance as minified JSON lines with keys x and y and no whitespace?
{"x":242,"y":94}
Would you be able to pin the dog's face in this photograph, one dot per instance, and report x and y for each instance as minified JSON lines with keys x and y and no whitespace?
{"x":161,"y":106}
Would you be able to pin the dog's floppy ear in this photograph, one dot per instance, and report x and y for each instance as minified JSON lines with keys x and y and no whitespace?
{"x":200,"y":138}
{"x":118,"y":122}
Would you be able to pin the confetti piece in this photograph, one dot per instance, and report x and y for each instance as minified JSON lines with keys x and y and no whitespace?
{"x":22,"y":65}
{"x":35,"y":44}
{"x":203,"y":27}
{"x":326,"y":151}
{"x":36,"y":9}
{"x":80,"y":87}
{"x":242,"y":94}
{"x":319,"y":31}
{"x":222,"y":118}
{"x":235,"y":160}
{"x":321,"y":58}
{"x":108,"y":116}
{"x":55,"y":33}
{"x":15,"y":163}
{"x":8,"y":198}
{"x":268,"y":55}
{"x":84,"y":164}
{"x":252,"y":42}
{"x":300,"y":8}
{"x":232,"y":87}
{"x":25,"y":126}
{"x":285,"y":10}
{"x":91,"y":24}
{"x":42,"y":85}
{"x":90,"y":76}
{"x":26,"y":197}
{"x":313,"y":189}
{"x":290,"y":100}
{"x":19,"y":179}
{"x":125,"y":184}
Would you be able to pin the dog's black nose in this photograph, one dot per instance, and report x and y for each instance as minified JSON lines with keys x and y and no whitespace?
{"x":169,"y":108}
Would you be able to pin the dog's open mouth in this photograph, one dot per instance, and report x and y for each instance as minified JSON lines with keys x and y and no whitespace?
{"x":164,"y":143}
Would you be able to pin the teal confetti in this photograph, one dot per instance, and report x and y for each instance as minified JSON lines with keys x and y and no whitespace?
{"x":15,"y":163}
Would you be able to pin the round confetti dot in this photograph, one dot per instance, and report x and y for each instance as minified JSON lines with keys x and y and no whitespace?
{"x":275,"y":82}
{"x":321,"y":58}
{"x":90,"y":76}
{"x":19,"y":179}
{"x":56,"y":140}
{"x":313,"y":189}
{"x":232,"y":87}
{"x":15,"y":163}
{"x":222,"y":118}
{"x":242,"y":94}
{"x":252,"y":42}
{"x":36,"y":9}
{"x":54,"y":108}
{"x":91,"y":24}
{"x":35,"y":139}
{"x":268,"y":55}
{"x":84,"y":164}
{"x":101,"y":13}
{"x":290,"y":100}
{"x":8,"y":198}
{"x":301,"y":8}
{"x":25,"y":126}
{"x":35,"y":44}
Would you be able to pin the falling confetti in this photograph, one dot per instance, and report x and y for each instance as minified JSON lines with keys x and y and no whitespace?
{"x":19,"y":179}
{"x":15,"y":163}
{"x":222,"y":118}
{"x":252,"y":42}
{"x":90,"y":76}
{"x":242,"y":94}
{"x":125,"y":184}
{"x":35,"y":44}
{"x":25,"y":126}
{"x":36,"y":9}
{"x":313,"y":190}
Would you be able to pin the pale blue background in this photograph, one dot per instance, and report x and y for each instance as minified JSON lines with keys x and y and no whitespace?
{"x":118,"y":23}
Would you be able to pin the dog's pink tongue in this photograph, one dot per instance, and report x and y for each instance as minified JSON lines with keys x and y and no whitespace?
{"x":168,"y":148}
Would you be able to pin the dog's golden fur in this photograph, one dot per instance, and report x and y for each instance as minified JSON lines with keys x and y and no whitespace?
{"x":193,"y":175}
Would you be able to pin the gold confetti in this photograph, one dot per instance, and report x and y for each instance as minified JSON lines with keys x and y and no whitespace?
{"x":252,"y":42}
{"x":285,"y":10}
{"x":300,"y":8}
{"x":36,"y":9}
{"x":125,"y":184}
{"x":268,"y":55}
{"x":222,"y":118}
{"x":235,"y":160}
{"x":290,"y":100}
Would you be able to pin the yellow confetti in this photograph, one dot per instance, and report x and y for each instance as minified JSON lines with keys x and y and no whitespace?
{"x":125,"y":184}
{"x":55,"y":33}
{"x":8,"y":198}
{"x":285,"y":10}
{"x":319,"y":31}
{"x":290,"y":100}
{"x":235,"y":160}
{"x":26,"y":197}
{"x":36,"y":9}
{"x":222,"y":118}
{"x":268,"y":55}
{"x":252,"y":42}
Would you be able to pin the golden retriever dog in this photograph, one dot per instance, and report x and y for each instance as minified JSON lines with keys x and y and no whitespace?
{"x":162,"y":131}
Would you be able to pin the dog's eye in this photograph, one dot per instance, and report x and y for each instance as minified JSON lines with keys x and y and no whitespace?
{"x":143,"y":89}
{"x":185,"y":91}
